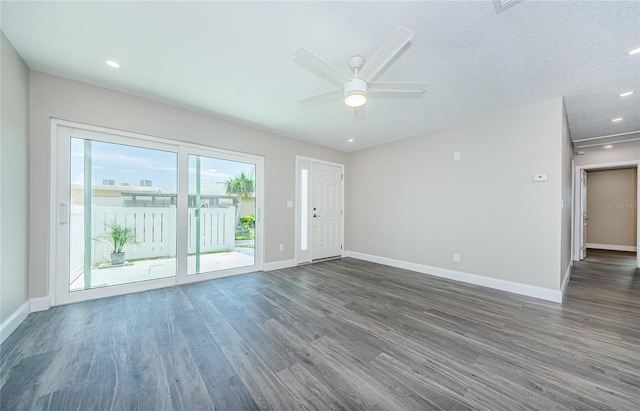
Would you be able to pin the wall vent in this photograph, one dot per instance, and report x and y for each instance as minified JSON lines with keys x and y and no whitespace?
{"x":502,"y":5}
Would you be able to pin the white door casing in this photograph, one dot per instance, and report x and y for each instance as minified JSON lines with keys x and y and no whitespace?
{"x":319,"y":185}
{"x":583,"y":213}
{"x":580,"y":192}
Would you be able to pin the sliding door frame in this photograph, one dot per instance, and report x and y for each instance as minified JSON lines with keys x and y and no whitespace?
{"x":59,"y":210}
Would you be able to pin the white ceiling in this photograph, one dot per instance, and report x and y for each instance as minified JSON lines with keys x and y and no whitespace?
{"x":235,"y":59}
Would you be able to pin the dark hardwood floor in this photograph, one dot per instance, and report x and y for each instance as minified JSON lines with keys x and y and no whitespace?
{"x":342,"y":334}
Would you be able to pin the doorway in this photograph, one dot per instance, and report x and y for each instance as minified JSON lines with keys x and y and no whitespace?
{"x":319,"y":209}
{"x":598,"y":215}
{"x":133,"y":212}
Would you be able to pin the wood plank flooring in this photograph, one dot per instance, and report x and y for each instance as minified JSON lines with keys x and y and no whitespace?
{"x":338,"y":335}
{"x":611,"y":257}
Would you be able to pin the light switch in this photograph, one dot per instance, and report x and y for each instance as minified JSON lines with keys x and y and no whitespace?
{"x":289,"y":204}
{"x":539,"y":177}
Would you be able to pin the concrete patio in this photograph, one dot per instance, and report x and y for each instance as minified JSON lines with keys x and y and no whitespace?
{"x":151,"y":269}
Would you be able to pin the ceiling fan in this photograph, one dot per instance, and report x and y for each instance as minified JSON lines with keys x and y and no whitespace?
{"x":356,"y":88}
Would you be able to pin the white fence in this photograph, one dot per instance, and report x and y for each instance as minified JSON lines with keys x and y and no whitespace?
{"x":155,"y":230}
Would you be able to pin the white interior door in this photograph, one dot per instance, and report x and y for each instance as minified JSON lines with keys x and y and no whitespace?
{"x":326,"y":210}
{"x":583,"y":213}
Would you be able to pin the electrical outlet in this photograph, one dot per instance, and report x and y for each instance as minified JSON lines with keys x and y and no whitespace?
{"x":281,"y":247}
{"x":456,"y":258}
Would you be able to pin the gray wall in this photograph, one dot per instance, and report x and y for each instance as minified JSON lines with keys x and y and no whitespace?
{"x":14,"y":174}
{"x":53,"y":96}
{"x":410,"y":201}
{"x":611,"y":202}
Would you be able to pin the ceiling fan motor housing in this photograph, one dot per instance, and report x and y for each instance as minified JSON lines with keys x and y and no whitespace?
{"x":354,"y":86}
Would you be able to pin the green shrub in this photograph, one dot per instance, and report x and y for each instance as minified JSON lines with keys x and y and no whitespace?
{"x":248,"y":222}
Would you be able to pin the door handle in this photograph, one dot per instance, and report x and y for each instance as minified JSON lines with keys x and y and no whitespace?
{"x":63,"y":213}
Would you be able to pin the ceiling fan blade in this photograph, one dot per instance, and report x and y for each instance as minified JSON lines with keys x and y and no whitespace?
{"x":389,"y":49}
{"x":319,"y":66}
{"x":397,"y":87}
{"x":321,"y":96}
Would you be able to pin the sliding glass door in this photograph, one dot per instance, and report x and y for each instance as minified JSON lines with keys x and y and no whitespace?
{"x":122,"y":217}
{"x":134,"y":212}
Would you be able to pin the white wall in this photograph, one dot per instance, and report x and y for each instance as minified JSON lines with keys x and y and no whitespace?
{"x":567,"y":197}
{"x":53,"y":96}
{"x":410,"y":201}
{"x":14,"y":174}
{"x":619,"y":152}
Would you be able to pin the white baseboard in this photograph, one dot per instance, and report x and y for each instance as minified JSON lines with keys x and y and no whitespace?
{"x":565,"y":281}
{"x":547,"y":294}
{"x":31,"y":306}
{"x":40,"y":304}
{"x":613,"y":247}
{"x":278,"y":265}
{"x":11,"y":323}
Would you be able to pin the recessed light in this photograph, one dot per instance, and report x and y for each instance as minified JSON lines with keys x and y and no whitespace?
{"x":634,"y":51}
{"x":112,"y":63}
{"x":350,"y":140}
{"x":625,"y":94}
{"x":616,"y":119}
{"x":579,"y":153}
{"x":608,"y":146}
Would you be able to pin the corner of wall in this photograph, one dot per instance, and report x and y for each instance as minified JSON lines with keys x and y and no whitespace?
{"x":14,"y":174}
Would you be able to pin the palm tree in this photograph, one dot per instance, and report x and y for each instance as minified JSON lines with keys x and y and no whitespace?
{"x":240,"y":187}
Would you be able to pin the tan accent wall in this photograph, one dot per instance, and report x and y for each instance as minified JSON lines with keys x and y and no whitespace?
{"x":611,"y":207}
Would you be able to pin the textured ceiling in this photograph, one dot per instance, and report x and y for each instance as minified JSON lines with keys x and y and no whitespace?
{"x":235,"y":60}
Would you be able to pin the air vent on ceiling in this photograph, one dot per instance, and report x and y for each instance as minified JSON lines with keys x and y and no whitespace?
{"x":502,"y":5}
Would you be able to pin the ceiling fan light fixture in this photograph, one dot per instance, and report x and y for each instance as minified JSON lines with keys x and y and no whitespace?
{"x":355,"y":93}
{"x":355,"y":99}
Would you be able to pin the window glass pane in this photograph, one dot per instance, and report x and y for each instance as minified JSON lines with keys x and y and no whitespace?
{"x":123,"y":214}
{"x":304,"y":209}
{"x":221,"y":214}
